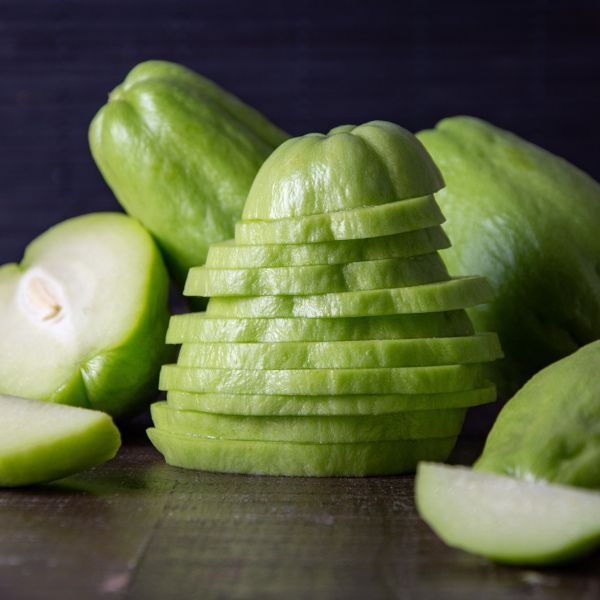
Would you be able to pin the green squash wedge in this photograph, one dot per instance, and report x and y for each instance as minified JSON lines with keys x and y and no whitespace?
{"x":180,"y":154}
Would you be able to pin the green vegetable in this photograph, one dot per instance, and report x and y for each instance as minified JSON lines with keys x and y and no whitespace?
{"x":431,"y":297}
{"x":317,"y":279}
{"x":84,"y":316}
{"x":41,"y":441}
{"x":180,"y":155}
{"x":349,"y":168}
{"x":359,"y":223}
{"x":550,"y":430}
{"x":293,"y":458}
{"x":367,"y":354}
{"x":355,"y":404}
{"x":320,"y":429}
{"x":528,"y":221}
{"x":230,"y":255}
{"x":200,"y":327}
{"x":508,"y":520}
{"x":326,"y":349}
{"x":320,"y":382}
{"x":546,"y":436}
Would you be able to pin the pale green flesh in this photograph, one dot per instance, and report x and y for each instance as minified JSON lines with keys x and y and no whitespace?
{"x":297,"y":459}
{"x":337,"y":355}
{"x":506,"y":519}
{"x":319,"y":279}
{"x":432,"y":297}
{"x":550,"y":429}
{"x":87,"y":307}
{"x":350,"y":167}
{"x":200,"y":327}
{"x":321,"y":382}
{"x":359,"y":223}
{"x":41,"y":441}
{"x":375,"y":404}
{"x":229,"y":255}
{"x":318,"y":430}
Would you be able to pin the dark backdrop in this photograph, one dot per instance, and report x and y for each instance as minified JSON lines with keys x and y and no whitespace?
{"x":530,"y":65}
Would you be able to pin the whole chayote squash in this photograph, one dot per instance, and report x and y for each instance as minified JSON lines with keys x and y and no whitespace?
{"x":528,"y":221}
{"x":180,"y":154}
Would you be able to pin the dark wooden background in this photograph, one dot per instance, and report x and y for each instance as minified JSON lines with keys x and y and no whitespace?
{"x":529,"y":66}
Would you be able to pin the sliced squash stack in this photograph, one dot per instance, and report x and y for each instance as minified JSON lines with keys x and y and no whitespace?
{"x":334,"y":341}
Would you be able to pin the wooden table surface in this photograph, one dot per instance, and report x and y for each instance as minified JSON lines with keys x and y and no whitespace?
{"x":136,"y":528}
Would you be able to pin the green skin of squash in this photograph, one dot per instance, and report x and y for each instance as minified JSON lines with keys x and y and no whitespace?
{"x":368,"y":354}
{"x":180,"y":155}
{"x":550,"y":429}
{"x":528,"y":221}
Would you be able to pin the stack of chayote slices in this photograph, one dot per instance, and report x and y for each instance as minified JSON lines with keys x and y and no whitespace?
{"x":335,"y":342}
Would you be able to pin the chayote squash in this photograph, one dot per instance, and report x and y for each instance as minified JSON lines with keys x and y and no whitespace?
{"x":550,"y":429}
{"x":180,"y":154}
{"x":528,"y":221}
{"x":350,"y":167}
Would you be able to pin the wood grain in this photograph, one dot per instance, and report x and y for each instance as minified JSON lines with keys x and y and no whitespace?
{"x":136,"y":528}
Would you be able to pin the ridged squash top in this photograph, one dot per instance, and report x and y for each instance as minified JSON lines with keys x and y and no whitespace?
{"x":350,"y":167}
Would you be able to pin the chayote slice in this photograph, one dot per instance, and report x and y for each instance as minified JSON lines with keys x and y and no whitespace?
{"x":550,"y":429}
{"x":359,"y":223}
{"x":200,"y":327}
{"x":457,"y":293}
{"x":356,"y":404}
{"x":318,"y":279}
{"x":230,"y":255}
{"x":363,"y":354}
{"x":320,"y":382}
{"x":298,"y":459}
{"x":320,"y":429}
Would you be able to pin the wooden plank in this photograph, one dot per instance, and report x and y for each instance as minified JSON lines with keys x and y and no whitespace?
{"x":81,"y":537}
{"x":137,"y":528}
